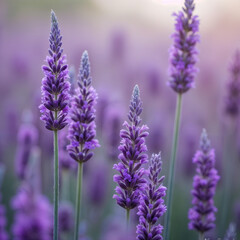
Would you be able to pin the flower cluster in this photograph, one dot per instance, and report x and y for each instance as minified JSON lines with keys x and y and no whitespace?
{"x":33,"y":218}
{"x":27,"y":139}
{"x":55,"y":87}
{"x":202,"y":214}
{"x":66,"y":214}
{"x":233,"y":98}
{"x":82,"y":124}
{"x":183,"y":52}
{"x":231,"y":232}
{"x":132,"y":157}
{"x":151,"y":206}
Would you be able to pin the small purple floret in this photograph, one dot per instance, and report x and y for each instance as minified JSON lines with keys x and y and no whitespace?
{"x":151,"y":206}
{"x":132,"y":157}
{"x":55,"y":86}
{"x":183,"y":52}
{"x":82,"y":129}
{"x":202,"y":214}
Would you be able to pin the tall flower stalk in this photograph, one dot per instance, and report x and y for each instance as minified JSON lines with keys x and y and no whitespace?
{"x":232,"y":103}
{"x":133,"y":155}
{"x":151,"y":206}
{"x":82,"y":129}
{"x":55,"y":96}
{"x":182,"y":74}
{"x":202,"y":214}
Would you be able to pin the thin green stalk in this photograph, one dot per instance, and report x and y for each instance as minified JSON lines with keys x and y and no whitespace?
{"x":56,"y":186}
{"x":201,"y":236}
{"x":65,"y":185}
{"x":167,"y":219}
{"x":229,"y":157}
{"x":78,"y":199}
{"x":127,"y":218}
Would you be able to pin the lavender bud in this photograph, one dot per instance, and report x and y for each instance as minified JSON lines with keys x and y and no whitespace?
{"x":133,"y":155}
{"x":55,"y":87}
{"x":202,"y":214}
{"x":231,"y":232}
{"x":233,"y":98}
{"x":151,"y":206}
{"x":183,"y":52}
{"x":66,"y":216}
{"x":82,"y":129}
{"x":27,"y":139}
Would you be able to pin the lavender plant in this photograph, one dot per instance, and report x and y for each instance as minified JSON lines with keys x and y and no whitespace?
{"x":151,"y":206}
{"x":27,"y":138}
{"x":233,"y":98}
{"x":33,"y":217}
{"x":232,"y":102}
{"x":55,"y":96}
{"x":231,"y":232}
{"x":82,"y":127}
{"x":202,"y":214}
{"x":132,"y":157}
{"x":182,"y":73}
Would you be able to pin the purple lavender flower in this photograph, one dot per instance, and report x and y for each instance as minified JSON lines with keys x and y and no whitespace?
{"x":82,"y":125}
{"x":27,"y":138}
{"x":33,"y":218}
{"x":151,"y":206}
{"x":66,"y":217}
{"x":55,"y":87}
{"x":231,"y":232}
{"x":113,"y":127}
{"x":3,"y":233}
{"x":132,"y":156}
{"x":233,"y":98}
{"x":202,"y":214}
{"x":183,"y":52}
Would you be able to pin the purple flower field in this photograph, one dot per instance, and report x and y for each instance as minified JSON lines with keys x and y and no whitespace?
{"x":119,"y":120}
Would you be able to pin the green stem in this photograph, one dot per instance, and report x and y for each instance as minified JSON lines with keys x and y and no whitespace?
{"x":65,"y":185}
{"x":229,"y":156}
{"x":201,"y":236}
{"x":127,"y":218}
{"x":56,"y":186}
{"x":167,"y":218}
{"x":78,"y":199}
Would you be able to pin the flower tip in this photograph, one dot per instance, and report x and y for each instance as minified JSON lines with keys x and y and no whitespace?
{"x":136,"y":92}
{"x":53,"y":17}
{"x":85,"y":55}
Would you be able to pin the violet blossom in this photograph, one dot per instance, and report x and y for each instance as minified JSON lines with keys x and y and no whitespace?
{"x":183,"y":52}
{"x":132,"y":157}
{"x":55,"y":86}
{"x":82,"y":129}
{"x":151,"y":206}
{"x":202,"y":214}
{"x":233,"y":98}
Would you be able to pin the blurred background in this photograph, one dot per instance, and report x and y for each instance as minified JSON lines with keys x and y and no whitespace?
{"x":128,"y":43}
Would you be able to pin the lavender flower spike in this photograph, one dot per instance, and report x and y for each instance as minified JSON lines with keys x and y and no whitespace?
{"x":55,"y":97}
{"x":151,"y":206}
{"x":233,"y":98}
{"x":55,"y":87}
{"x":132,"y":157}
{"x":183,"y":52}
{"x":82,"y":124}
{"x":82,"y":129}
{"x":202,"y":214}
